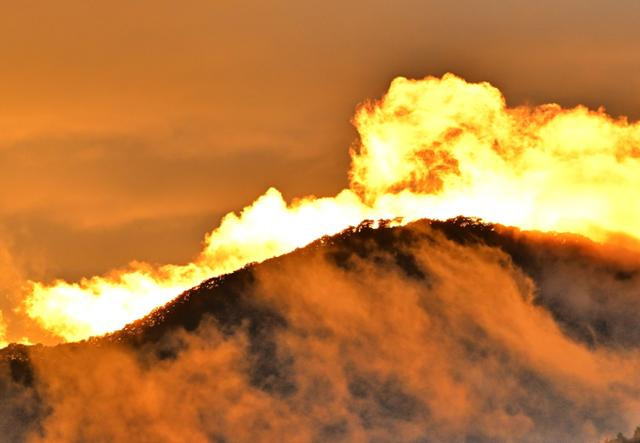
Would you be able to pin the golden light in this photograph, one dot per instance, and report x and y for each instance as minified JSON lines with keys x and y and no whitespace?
{"x":437,"y":148}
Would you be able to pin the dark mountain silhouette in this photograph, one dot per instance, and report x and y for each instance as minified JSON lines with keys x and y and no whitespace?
{"x":622,"y":439}
{"x":589,"y":291}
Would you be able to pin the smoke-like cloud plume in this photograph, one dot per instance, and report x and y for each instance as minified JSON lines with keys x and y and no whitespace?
{"x":453,"y":331}
{"x":438,"y":148}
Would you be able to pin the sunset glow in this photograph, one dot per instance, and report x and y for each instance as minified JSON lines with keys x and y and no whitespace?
{"x":436,"y":148}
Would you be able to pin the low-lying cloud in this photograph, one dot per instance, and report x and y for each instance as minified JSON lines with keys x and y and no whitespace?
{"x":435,"y":332}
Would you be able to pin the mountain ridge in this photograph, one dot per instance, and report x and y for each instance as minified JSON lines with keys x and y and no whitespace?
{"x":240,"y":307}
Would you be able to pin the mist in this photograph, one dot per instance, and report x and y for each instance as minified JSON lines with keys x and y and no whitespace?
{"x":451,"y":331}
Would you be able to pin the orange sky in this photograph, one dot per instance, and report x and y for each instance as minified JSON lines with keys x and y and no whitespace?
{"x":128,"y":128}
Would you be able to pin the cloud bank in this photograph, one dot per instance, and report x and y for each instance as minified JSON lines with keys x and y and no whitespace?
{"x":439,"y":331}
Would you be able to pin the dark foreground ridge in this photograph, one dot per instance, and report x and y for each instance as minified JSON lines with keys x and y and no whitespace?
{"x":274,"y":332}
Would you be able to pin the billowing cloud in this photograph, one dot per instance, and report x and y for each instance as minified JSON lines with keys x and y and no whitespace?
{"x":433,"y":332}
{"x":435,"y":147}
{"x":115,"y":117}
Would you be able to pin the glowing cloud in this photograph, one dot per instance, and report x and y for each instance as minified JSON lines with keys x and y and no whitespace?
{"x":433,"y":148}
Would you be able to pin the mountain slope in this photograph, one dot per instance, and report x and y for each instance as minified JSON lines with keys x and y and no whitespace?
{"x":436,"y":331}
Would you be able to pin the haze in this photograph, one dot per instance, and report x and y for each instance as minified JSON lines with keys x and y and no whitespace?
{"x":128,"y":128}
